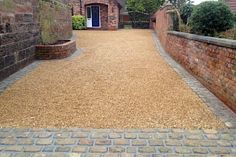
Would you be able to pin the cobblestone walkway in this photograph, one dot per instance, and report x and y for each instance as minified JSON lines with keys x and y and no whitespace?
{"x":112,"y":143}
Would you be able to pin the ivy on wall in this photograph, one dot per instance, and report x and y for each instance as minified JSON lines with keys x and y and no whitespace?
{"x":7,"y":5}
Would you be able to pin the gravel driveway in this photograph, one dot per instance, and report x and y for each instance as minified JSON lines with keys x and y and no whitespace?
{"x":119,"y":81}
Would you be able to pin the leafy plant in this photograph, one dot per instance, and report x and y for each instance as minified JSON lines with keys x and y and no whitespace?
{"x":78,"y":22}
{"x":140,"y":11}
{"x":186,"y":11}
{"x":211,"y":18}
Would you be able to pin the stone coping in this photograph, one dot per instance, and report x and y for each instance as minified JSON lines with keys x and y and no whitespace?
{"x":210,"y":40}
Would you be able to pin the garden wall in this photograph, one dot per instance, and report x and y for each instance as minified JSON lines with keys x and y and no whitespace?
{"x":211,"y":60}
{"x":23,"y":24}
{"x":55,"y":20}
{"x":19,"y":32}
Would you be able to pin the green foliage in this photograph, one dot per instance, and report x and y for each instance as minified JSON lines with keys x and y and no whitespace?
{"x":211,"y":18}
{"x":186,"y":11}
{"x":229,"y":34}
{"x":78,"y":22}
{"x":140,"y":11}
{"x":180,"y":3}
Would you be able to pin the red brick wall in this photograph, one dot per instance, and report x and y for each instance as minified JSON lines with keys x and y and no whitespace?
{"x":211,"y":60}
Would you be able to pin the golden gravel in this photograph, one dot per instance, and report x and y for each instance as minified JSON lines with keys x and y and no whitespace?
{"x":119,"y":81}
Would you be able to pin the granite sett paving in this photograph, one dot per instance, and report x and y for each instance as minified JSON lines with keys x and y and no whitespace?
{"x":176,"y":142}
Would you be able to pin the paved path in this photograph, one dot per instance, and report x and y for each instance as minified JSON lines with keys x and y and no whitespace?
{"x":114,"y":143}
{"x":126,"y":142}
{"x":119,"y":80}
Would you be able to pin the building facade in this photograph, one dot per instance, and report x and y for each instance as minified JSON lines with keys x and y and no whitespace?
{"x":100,"y":14}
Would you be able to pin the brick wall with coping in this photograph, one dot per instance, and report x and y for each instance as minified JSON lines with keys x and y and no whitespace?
{"x":20,"y":32}
{"x":211,"y":60}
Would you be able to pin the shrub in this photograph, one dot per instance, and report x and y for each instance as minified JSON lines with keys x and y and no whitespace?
{"x":186,"y":11}
{"x":211,"y":18}
{"x":229,"y":34}
{"x":78,"y":22}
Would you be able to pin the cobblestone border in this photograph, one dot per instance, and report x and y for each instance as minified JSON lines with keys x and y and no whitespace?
{"x":215,"y":105}
{"x":75,"y":142}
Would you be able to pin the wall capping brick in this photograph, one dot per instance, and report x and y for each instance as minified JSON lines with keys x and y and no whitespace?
{"x":210,"y":40}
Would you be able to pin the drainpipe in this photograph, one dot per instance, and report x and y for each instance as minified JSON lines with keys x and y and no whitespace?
{"x":80,"y":1}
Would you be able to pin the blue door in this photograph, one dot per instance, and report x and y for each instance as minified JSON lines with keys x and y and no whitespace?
{"x":95,"y":16}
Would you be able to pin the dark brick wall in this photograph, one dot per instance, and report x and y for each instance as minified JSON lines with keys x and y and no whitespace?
{"x":21,"y":29}
{"x":211,"y":60}
{"x":19,"y":32}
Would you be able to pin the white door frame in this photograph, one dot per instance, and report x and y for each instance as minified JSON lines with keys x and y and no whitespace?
{"x":90,"y":20}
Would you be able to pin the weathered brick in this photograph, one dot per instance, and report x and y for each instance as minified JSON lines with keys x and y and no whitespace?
{"x":219,"y":150}
{"x":39,"y":155}
{"x":99,"y":135}
{"x":145,"y":136}
{"x":42,"y":134}
{"x":62,"y":149}
{"x":62,"y":135}
{"x":116,"y":149}
{"x":165,"y":150}
{"x":224,"y":143}
{"x":126,"y":155}
{"x":48,"y":149}
{"x":25,"y":141}
{"x":99,"y":149}
{"x":65,"y":141}
{"x":111,"y":155}
{"x":8,"y":141}
{"x":32,"y":149}
{"x":160,"y":136}
{"x":79,"y":149}
{"x":131,"y":150}
{"x":130,"y":136}
{"x":103,"y":142}
{"x":44,"y":141}
{"x":183,"y":150}
{"x":147,"y":150}
{"x":18,"y":154}
{"x":175,"y":136}
{"x":194,"y":137}
{"x":200,"y":150}
{"x":156,"y":142}
{"x":173,"y":142}
{"x":192,"y":143}
{"x":5,"y":155}
{"x":13,"y":148}
{"x":114,"y":136}
{"x":79,"y":135}
{"x":121,"y":142}
{"x":139,"y":142}
{"x":86,"y":142}
{"x":208,"y":143}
